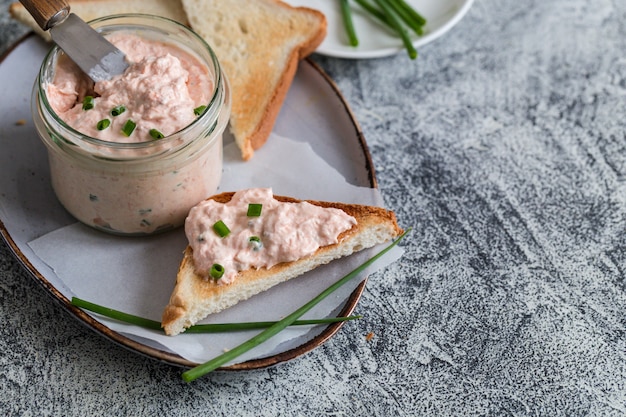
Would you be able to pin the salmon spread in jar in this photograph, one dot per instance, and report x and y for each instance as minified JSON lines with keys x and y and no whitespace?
{"x":131,"y":155}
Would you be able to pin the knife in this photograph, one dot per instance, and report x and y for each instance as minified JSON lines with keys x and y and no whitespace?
{"x":96,"y":56}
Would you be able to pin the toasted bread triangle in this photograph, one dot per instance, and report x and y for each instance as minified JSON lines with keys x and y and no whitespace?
{"x":195,"y":297}
{"x":259,"y":45}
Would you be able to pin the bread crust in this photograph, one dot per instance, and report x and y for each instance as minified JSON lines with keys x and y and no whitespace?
{"x":194,"y":297}
{"x":270,"y":51}
{"x":263,"y":130}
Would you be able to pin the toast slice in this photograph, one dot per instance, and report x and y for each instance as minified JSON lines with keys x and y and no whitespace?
{"x":92,"y":9}
{"x":195,"y":297}
{"x":259,"y":44}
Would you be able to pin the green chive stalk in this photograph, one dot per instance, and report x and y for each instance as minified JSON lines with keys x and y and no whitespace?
{"x":406,"y":16}
{"x":413,"y":14}
{"x":346,"y":15}
{"x":393,"y":18}
{"x":198,"y":328}
{"x":371,"y":9}
{"x":203,"y":369}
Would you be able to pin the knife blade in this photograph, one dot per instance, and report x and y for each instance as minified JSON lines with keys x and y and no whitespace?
{"x":95,"y":55}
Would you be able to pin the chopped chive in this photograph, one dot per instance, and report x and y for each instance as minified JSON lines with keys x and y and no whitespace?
{"x":254,"y":209}
{"x":199,"y":110}
{"x":129,"y":127}
{"x":117,"y":110}
{"x":213,"y":364}
{"x":156,"y":134}
{"x":255,"y":243}
{"x":217,"y":271}
{"x":197,"y":328}
{"x":103,"y":124}
{"x":346,"y":15}
{"x":221,"y":229}
{"x":88,"y":103}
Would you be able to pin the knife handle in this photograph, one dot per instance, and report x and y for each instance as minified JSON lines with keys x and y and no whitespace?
{"x":47,"y":13}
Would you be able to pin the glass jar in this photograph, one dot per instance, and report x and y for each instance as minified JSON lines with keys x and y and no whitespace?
{"x":143,"y":187}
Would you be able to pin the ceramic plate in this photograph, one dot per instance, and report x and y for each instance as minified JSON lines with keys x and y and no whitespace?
{"x":375,"y":40}
{"x":314,"y":112}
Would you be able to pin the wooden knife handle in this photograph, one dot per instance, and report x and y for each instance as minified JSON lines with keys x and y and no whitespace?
{"x":47,"y":13}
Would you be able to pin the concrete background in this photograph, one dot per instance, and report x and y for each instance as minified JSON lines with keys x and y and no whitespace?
{"x":504,"y":146}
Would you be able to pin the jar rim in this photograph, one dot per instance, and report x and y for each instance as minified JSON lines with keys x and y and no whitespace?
{"x":212,"y":110}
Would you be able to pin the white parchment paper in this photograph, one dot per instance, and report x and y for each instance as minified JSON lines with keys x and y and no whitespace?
{"x":137,"y":275}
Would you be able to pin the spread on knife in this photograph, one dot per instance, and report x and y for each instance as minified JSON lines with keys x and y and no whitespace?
{"x":159,"y":94}
{"x":253,"y":230}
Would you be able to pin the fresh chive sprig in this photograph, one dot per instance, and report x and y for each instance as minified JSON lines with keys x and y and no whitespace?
{"x":405,"y":16}
{"x":197,"y":328}
{"x":395,"y":14}
{"x":414,"y":14}
{"x":211,"y":365}
{"x":346,"y":15}
{"x":374,"y":11}
{"x":397,"y":25}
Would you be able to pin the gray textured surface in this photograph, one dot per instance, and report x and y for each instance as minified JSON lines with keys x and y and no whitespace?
{"x":504,"y":146}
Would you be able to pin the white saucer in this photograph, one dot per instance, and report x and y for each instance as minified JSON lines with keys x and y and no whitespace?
{"x":375,"y":40}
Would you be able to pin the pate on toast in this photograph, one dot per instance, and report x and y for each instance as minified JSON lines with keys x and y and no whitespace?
{"x":194,"y":296}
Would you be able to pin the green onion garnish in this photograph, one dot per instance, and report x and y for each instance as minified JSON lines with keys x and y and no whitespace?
{"x":255,"y":242}
{"x":346,"y":15}
{"x":254,"y":210}
{"x":128,"y":127}
{"x":88,"y":103}
{"x":156,"y":134}
{"x":199,"y":110}
{"x":221,"y":229}
{"x":228,"y":356}
{"x":217,"y":271}
{"x":197,"y":328}
{"x":103,"y":124}
{"x":116,"y":111}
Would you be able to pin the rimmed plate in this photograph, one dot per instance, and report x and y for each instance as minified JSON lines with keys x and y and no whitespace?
{"x":29,"y":209}
{"x":375,"y":40}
